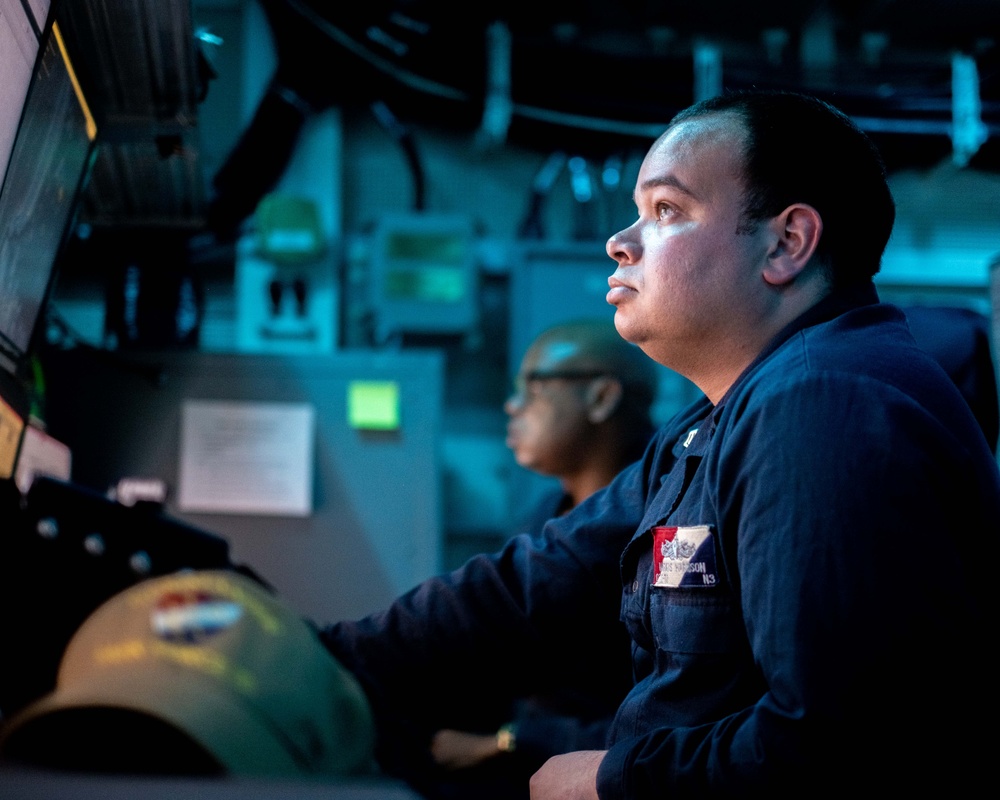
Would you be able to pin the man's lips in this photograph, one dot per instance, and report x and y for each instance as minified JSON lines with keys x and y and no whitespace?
{"x":618,"y":291}
{"x":511,"y":438}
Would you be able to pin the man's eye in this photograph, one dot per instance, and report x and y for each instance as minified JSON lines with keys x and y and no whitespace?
{"x":664,"y":210}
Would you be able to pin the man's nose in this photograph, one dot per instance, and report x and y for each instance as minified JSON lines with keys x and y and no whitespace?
{"x":622,"y":247}
{"x":514,"y":402}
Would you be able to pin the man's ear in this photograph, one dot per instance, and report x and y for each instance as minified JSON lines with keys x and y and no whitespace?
{"x":796,"y":232}
{"x":603,"y":397}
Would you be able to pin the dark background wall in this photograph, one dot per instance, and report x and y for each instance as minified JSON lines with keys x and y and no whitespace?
{"x":391,"y":114}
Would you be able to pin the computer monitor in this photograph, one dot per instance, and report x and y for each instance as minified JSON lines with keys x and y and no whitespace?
{"x":49,"y":160}
{"x":20,"y":32}
{"x":45,"y":159}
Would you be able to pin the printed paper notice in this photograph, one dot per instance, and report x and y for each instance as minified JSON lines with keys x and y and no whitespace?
{"x":246,"y":458}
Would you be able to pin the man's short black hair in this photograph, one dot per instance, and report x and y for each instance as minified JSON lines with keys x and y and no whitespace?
{"x":800,"y":149}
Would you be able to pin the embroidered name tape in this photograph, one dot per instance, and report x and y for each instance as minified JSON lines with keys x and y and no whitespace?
{"x":684,"y":556}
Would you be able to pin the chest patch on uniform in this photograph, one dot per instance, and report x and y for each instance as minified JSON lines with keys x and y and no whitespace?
{"x":684,"y":556}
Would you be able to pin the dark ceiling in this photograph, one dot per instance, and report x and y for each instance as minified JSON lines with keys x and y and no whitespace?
{"x":609,"y":74}
{"x":624,"y":66}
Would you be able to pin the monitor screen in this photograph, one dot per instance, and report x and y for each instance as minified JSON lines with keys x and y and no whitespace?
{"x":49,"y":161}
{"x":19,"y":35}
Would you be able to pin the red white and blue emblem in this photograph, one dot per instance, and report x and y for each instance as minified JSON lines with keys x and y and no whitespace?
{"x":684,"y":556}
{"x":192,"y":616}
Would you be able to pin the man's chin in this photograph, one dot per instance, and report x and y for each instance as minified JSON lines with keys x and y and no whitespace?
{"x":525,"y":460}
{"x":625,"y":330}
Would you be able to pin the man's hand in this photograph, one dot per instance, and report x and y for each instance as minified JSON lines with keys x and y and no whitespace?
{"x":571,"y":776}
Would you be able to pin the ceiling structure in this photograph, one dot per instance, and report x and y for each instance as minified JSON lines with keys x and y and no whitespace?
{"x":138,"y":65}
{"x":922,"y":76}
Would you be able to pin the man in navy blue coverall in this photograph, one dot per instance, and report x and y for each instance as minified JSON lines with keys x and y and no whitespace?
{"x":803,"y":558}
{"x":579,"y":413}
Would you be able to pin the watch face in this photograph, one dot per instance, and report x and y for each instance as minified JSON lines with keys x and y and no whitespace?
{"x":505,"y":739}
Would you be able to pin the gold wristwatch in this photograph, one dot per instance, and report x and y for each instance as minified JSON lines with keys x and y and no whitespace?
{"x":506,"y":741}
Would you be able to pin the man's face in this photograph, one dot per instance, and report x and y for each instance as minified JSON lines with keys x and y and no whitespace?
{"x":686,"y":281}
{"x":547,"y":427}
